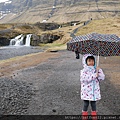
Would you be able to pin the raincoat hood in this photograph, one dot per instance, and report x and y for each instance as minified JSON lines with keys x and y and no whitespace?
{"x":84,"y":61}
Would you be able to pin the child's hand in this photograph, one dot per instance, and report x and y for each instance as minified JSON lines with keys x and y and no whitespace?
{"x":97,"y":68}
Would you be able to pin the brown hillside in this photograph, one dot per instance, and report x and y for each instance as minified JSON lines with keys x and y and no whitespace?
{"x":63,"y":12}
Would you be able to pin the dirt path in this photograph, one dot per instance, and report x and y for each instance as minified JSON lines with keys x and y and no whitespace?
{"x":55,"y":79}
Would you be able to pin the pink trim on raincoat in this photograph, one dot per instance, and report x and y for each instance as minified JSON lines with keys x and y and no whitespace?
{"x":90,"y":88}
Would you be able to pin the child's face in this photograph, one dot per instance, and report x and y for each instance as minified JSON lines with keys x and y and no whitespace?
{"x":90,"y":62}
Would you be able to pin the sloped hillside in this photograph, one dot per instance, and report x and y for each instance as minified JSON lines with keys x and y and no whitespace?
{"x":31,"y":11}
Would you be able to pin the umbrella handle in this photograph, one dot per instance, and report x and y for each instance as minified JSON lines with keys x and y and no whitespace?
{"x":98,"y":61}
{"x":98,"y":54}
{"x":98,"y":58}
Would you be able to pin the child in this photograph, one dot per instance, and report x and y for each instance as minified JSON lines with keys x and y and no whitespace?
{"x":90,"y":78}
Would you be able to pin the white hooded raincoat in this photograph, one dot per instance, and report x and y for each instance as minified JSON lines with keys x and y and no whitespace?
{"x":90,"y":89}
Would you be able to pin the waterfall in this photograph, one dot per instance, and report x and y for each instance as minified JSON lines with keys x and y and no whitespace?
{"x":27,"y":43}
{"x":18,"y":41}
{"x":18,"y":37}
{"x":15,"y":41}
{"x":12,"y":41}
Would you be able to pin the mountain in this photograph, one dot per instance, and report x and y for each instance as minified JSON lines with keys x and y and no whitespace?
{"x":32,"y":11}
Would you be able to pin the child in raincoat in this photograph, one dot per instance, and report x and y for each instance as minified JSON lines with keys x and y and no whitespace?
{"x":90,"y":76}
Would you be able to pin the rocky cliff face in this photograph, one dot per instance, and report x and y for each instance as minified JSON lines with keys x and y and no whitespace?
{"x":44,"y":38}
{"x":20,"y":5}
{"x":4,"y":41}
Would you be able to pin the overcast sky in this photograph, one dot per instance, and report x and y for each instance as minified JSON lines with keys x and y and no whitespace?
{"x":3,"y":0}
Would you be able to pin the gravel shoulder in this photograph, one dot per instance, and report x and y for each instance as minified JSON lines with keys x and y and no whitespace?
{"x":51,"y":85}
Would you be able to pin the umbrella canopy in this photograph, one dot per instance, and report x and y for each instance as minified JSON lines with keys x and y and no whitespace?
{"x":94,"y":43}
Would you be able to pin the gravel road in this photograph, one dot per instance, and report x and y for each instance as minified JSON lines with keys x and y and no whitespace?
{"x":53,"y":88}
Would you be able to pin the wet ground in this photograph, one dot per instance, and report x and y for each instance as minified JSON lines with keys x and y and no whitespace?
{"x":54,"y":87}
{"x":13,"y":51}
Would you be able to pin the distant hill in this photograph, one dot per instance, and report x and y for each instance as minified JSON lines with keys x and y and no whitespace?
{"x":32,"y":11}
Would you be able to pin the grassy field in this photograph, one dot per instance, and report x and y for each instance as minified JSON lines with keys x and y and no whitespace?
{"x":103,"y":26}
{"x":5,"y":26}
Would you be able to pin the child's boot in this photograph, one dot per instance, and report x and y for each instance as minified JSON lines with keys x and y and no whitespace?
{"x":94,"y":115}
{"x":84,"y":115}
